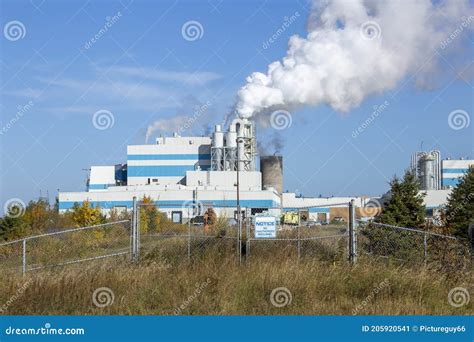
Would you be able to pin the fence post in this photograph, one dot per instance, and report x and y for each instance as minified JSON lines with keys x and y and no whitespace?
{"x":247,"y":232}
{"x":134,"y":229}
{"x":138,"y":238}
{"x":352,"y":234}
{"x":425,"y":247}
{"x":189,"y":234}
{"x":23,"y":268}
{"x":239,"y":227}
{"x":299,"y":237}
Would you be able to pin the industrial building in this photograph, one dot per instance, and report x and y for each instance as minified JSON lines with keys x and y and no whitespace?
{"x":182,"y":173}
{"x":436,"y":174}
{"x":437,"y":177}
{"x":179,"y":173}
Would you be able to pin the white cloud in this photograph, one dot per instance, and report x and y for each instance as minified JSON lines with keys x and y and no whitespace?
{"x":187,"y":78}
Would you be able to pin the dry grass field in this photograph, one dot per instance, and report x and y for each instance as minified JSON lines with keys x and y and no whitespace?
{"x":216,"y":285}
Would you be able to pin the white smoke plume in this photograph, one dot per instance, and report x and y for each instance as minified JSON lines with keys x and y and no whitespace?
{"x":358,"y":48}
{"x":181,"y":123}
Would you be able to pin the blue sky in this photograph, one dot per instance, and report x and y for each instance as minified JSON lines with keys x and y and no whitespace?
{"x":142,"y":69}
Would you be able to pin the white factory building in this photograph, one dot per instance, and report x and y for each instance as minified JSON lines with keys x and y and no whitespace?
{"x":179,"y":173}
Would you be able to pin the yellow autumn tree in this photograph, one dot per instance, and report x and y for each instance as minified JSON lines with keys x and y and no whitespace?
{"x":151,"y":218}
{"x":85,"y":215}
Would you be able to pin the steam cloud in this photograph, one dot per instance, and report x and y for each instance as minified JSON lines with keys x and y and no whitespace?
{"x":358,"y":48}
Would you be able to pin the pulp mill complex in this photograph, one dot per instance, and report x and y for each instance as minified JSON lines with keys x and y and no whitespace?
{"x":179,"y":172}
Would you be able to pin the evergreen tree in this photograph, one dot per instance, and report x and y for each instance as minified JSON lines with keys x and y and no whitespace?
{"x":460,"y":207}
{"x":12,"y":228}
{"x":13,"y":225}
{"x":405,"y":207}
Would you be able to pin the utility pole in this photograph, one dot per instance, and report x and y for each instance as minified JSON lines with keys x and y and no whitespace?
{"x":352,"y":234}
{"x":239,"y":211}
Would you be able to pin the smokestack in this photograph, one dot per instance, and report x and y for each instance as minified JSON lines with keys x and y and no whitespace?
{"x":272,"y":172}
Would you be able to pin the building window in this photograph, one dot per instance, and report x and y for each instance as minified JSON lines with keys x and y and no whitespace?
{"x":177,"y":217}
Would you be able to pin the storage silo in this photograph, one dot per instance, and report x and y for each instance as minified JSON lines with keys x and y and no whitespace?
{"x":428,"y":173}
{"x":271,"y":168}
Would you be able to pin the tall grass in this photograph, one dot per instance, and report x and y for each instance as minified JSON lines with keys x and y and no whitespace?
{"x":217,"y":285}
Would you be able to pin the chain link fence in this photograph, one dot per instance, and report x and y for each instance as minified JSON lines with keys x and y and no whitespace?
{"x":66,"y":247}
{"x":197,"y":232}
{"x":298,"y":234}
{"x":413,"y":246}
{"x":190,"y":232}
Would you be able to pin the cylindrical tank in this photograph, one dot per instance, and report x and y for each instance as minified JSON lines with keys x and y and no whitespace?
{"x":428,"y":173}
{"x":231,"y":149}
{"x":218,"y":140}
{"x":231,"y":137}
{"x":218,"y":145}
{"x":271,"y":168}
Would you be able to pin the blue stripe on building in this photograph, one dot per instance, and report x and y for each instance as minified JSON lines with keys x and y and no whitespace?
{"x":311,"y":210}
{"x":200,"y":156}
{"x":451,"y":181}
{"x":162,"y":170}
{"x":455,"y":170}
{"x":175,"y":204}
{"x":98,"y":186}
